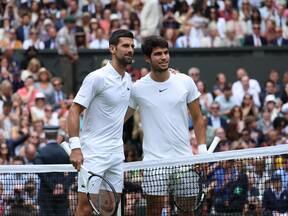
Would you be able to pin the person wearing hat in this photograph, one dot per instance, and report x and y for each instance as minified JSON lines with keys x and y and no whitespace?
{"x":53,"y":192}
{"x":67,"y":49}
{"x":37,"y":110}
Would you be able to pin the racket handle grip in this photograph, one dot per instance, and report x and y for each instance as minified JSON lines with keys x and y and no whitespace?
{"x":214,"y":144}
{"x":66,"y":147}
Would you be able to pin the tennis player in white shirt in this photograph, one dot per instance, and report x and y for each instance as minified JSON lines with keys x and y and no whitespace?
{"x":163,"y":98}
{"x":104,"y":95}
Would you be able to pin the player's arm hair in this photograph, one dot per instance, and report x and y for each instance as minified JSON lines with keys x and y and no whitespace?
{"x":73,"y":120}
{"x":130,"y":111}
{"x":198,"y":122}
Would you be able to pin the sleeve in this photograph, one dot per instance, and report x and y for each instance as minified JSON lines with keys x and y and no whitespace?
{"x":92,"y":85}
{"x":132,"y":102}
{"x":193,"y":92}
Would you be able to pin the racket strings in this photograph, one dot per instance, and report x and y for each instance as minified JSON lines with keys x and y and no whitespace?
{"x":101,"y":196}
{"x":187,"y":189}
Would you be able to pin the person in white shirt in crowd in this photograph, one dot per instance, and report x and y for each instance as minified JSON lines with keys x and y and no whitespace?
{"x":99,"y":42}
{"x":162,"y":98}
{"x":253,"y":83}
{"x":104,"y":95}
{"x":269,"y":10}
{"x":184,"y":41}
{"x":244,"y":88}
{"x":151,"y":17}
{"x":272,"y":106}
{"x":212,"y":39}
{"x":226,"y":100}
{"x":33,"y":40}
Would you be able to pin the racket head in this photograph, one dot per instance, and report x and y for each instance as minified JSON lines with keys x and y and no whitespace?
{"x":188,"y":193}
{"x":101,"y":195}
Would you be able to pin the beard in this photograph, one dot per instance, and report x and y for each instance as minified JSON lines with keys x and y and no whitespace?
{"x":125,"y":60}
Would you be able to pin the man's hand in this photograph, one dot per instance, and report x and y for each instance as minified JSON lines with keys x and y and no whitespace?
{"x":76,"y":158}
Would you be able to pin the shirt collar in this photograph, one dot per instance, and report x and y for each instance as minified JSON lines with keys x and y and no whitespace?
{"x":113,"y":71}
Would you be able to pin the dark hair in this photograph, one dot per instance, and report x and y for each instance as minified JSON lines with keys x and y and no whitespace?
{"x":152,"y":42}
{"x":114,"y":38}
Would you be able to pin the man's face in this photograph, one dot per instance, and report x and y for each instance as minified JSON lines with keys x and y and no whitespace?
{"x":123,"y":51}
{"x":159,"y":59}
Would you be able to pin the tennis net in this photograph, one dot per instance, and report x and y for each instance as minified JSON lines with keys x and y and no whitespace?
{"x":240,"y":182}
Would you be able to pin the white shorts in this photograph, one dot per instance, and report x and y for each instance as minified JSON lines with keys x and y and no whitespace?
{"x":110,"y":166}
{"x":163,"y":182}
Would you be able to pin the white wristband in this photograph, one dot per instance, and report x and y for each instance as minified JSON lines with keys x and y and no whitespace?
{"x":74,"y":143}
{"x":202,"y":149}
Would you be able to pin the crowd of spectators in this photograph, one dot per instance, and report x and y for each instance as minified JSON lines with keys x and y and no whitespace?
{"x":183,"y":23}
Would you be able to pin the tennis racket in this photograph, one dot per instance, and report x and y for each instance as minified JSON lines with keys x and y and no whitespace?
{"x":100,"y":192}
{"x":188,"y":185}
{"x":187,"y":190}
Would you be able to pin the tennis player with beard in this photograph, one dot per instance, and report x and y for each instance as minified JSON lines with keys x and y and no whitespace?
{"x":163,"y":98}
{"x":104,"y":95}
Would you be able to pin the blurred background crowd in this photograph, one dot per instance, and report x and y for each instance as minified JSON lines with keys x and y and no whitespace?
{"x":184,"y":23}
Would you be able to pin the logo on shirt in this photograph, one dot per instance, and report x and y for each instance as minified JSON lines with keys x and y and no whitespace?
{"x":161,"y":90}
{"x":128,"y":89}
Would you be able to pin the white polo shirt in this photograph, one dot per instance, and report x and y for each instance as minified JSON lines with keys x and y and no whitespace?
{"x":106,"y":95}
{"x":164,"y":115}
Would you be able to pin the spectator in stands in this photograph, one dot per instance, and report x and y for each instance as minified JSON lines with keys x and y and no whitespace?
{"x":7,"y":119}
{"x":221,"y":82}
{"x":248,"y":106}
{"x":268,"y":11}
{"x":28,"y":92}
{"x":231,"y":38}
{"x":232,"y":131}
{"x":212,"y":39}
{"x":58,"y":94}
{"x":216,"y":20}
{"x":23,"y":30}
{"x":264,"y":123}
{"x":30,"y":152}
{"x":31,"y":70}
{"x":194,"y":73}
{"x":53,"y":193}
{"x":33,"y":40}
{"x":226,"y":101}
{"x":206,"y":98}
{"x":67,"y":50}
{"x":282,"y":169}
{"x":43,"y":83}
{"x":275,"y":199}
{"x":270,"y":31}
{"x":37,"y":110}
{"x":270,"y":89}
{"x":50,"y":43}
{"x":90,"y":7}
{"x":215,"y":120}
{"x":275,"y":77}
{"x":246,"y":88}
{"x":270,"y":104}
{"x":185,"y":41}
{"x":5,"y":93}
{"x":50,"y":116}
{"x":151,"y":17}
{"x":99,"y":42}
{"x":255,"y":39}
{"x":94,"y":26}
{"x":10,"y":41}
{"x":4,"y":153}
{"x":241,"y":72}
{"x":236,"y":114}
